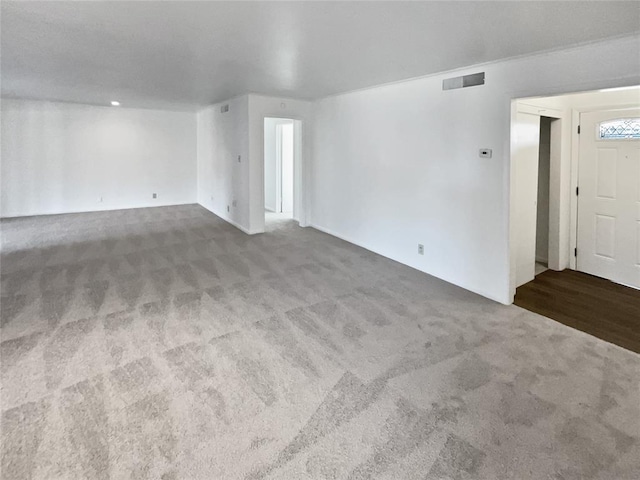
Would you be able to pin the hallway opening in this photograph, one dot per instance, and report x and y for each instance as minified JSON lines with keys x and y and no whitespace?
{"x":279,"y":167}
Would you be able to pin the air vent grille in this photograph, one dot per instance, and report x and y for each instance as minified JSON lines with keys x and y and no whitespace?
{"x":463,"y":82}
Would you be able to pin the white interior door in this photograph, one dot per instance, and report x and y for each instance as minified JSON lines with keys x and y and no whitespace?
{"x":609,"y":196}
{"x":526,"y":132}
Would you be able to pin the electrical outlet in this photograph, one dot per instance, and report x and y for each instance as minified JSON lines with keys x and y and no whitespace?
{"x":155,"y":195}
{"x":420,"y":249}
{"x":239,"y":158}
{"x":228,"y":208}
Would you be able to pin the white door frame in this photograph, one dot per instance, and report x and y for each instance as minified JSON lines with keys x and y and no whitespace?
{"x":300,"y":167}
{"x":518,"y":106}
{"x":286,"y":174}
{"x":278,"y":167}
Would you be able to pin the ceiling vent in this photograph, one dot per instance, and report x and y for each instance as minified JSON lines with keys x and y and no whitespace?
{"x":224,"y":108}
{"x":463,"y":82}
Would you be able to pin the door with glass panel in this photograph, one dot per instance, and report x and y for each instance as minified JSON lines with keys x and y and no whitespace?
{"x":609,"y":196}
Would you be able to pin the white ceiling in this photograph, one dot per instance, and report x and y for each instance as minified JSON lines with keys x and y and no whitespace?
{"x":176,"y":54}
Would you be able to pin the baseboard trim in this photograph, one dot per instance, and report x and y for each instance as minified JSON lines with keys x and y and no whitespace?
{"x":67,"y":212}
{"x":237,"y":225}
{"x":333,"y":233}
{"x":229,"y":221}
{"x":328,"y":231}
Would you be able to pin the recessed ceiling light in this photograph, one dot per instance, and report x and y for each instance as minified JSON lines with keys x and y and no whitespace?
{"x":115,"y":103}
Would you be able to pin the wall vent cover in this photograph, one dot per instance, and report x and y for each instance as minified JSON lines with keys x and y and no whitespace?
{"x":224,"y":108}
{"x":463,"y":82}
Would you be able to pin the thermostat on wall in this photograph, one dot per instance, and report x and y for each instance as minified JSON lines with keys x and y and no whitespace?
{"x":485,"y":153}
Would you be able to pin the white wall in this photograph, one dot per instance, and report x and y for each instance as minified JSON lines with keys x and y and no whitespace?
{"x":222,"y":137}
{"x":398,"y":165}
{"x":61,"y":157}
{"x":525,"y":139}
{"x":222,"y":179}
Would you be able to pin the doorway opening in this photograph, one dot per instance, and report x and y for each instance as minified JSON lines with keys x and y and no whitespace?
{"x":281,"y":167}
{"x":553,"y":179}
{"x":581,"y":153}
{"x":536,"y":146}
{"x":542,"y":200}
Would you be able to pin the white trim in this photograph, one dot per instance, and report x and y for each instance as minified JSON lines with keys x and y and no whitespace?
{"x":237,"y":225}
{"x":229,"y":221}
{"x":618,"y":82}
{"x":348,"y":239}
{"x":524,"y":107}
{"x":177,"y":107}
{"x":556,"y":259}
{"x":66,"y":212}
{"x":575,"y":165}
{"x":555,"y":248}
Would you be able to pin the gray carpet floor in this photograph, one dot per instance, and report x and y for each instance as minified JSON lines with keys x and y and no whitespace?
{"x":163,"y":343}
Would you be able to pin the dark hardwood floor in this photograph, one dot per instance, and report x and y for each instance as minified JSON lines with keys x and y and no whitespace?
{"x":596,"y":306}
